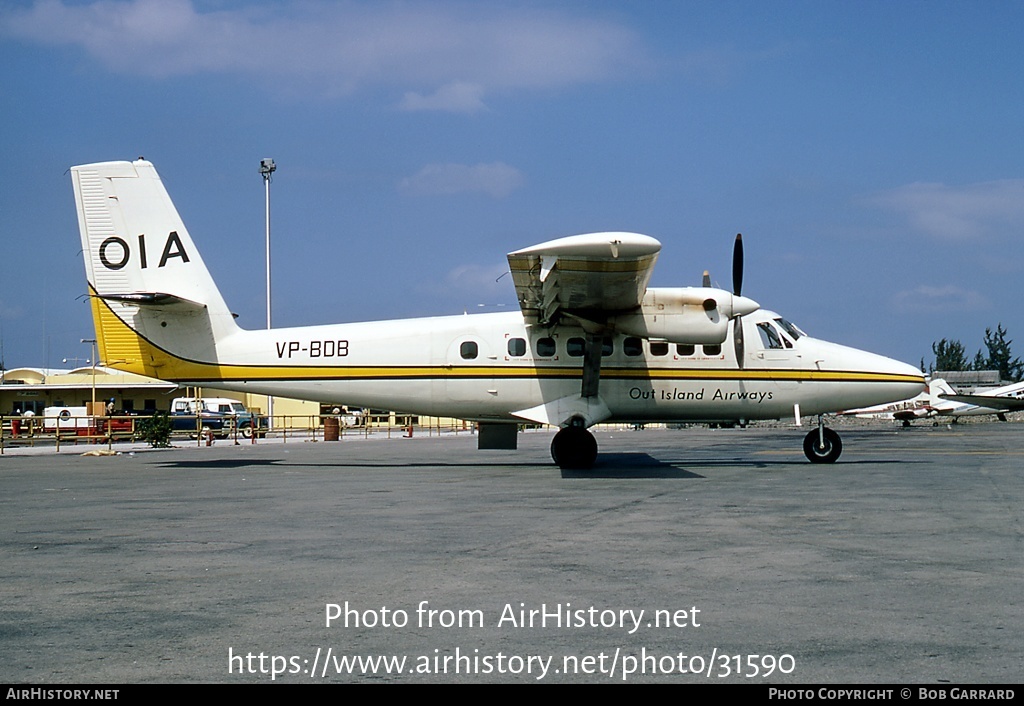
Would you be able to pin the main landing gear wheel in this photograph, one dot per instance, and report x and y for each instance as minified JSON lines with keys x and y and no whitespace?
{"x":574,"y":448}
{"x":818,"y":452}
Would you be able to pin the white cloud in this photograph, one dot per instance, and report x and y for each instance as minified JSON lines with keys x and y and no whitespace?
{"x":969,"y":212}
{"x":445,"y":50}
{"x":478,"y":278}
{"x":455,"y":97}
{"x":472,"y":288}
{"x":10,"y":311}
{"x":927,"y":299}
{"x":496,"y":179}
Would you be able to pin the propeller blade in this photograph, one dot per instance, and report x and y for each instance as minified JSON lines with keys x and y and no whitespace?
{"x":707,"y":279}
{"x":737,"y":287}
{"x":737,"y":265}
{"x":737,"y":339}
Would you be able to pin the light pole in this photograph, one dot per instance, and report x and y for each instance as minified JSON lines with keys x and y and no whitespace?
{"x":92,"y":342}
{"x":267,"y":169}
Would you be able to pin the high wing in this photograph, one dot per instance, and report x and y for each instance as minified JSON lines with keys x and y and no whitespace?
{"x":599,"y":281}
{"x":1006,"y":404}
{"x":589,"y":278}
{"x":599,"y":273}
{"x":1009,"y":398}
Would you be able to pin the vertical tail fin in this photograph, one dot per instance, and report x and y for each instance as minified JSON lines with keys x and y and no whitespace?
{"x":155,"y":306}
{"x":938,"y":387}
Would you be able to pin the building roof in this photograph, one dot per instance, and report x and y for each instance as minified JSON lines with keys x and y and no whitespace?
{"x":102,"y":377}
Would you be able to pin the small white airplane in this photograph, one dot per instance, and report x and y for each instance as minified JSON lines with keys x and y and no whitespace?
{"x":593,"y":342}
{"x":998,"y":401}
{"x":923,"y":406}
{"x":941,"y":400}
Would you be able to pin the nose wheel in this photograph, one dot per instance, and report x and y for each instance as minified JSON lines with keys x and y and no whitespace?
{"x":574,"y":448}
{"x":822,"y":445}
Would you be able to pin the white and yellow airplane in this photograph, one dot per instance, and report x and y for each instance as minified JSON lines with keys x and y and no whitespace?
{"x":593,"y":342}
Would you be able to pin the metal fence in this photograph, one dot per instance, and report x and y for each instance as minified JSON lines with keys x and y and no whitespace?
{"x":39,"y":431}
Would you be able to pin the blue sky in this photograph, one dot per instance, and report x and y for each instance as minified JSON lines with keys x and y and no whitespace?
{"x":870,"y":152}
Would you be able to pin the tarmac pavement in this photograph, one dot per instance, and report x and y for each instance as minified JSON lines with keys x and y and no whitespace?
{"x":690,"y":555}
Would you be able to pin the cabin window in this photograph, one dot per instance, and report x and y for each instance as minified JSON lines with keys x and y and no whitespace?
{"x":546,"y":347}
{"x":659,"y":348}
{"x":713,"y":350}
{"x":685,"y":349}
{"x":469,"y":350}
{"x":517,"y":347}
{"x":632,"y":346}
{"x":576,"y":347}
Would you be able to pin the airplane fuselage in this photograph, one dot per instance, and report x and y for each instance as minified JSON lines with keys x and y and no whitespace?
{"x":486,"y":367}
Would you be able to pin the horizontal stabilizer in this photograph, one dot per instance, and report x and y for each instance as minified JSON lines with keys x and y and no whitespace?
{"x":152,"y":299}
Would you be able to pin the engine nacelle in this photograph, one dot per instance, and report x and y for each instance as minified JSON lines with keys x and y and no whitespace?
{"x":698,"y":315}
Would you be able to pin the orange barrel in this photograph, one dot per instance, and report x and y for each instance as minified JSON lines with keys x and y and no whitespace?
{"x":332,"y":429}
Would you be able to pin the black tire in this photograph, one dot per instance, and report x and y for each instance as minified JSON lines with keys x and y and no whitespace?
{"x":574,"y":448}
{"x":816,"y":453}
{"x":247,"y":431}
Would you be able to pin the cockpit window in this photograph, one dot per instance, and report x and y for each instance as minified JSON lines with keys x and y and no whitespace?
{"x":769,"y":336}
{"x":790,"y":329}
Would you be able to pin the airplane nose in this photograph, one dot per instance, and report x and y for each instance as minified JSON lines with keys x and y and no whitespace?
{"x":884,"y":379}
{"x":894,"y":368}
{"x":906,"y":378}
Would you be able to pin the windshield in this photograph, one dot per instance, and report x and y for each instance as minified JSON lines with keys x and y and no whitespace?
{"x":789,"y":328}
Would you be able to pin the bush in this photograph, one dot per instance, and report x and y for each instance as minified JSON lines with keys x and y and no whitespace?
{"x":156,"y":430}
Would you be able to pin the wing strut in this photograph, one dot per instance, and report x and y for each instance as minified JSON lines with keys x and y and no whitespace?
{"x":576,"y":411}
{"x":591,"y":365}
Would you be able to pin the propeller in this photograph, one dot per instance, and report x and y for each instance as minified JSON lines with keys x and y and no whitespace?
{"x":737,"y":284}
{"x":740,"y":304}
{"x":737,"y":265}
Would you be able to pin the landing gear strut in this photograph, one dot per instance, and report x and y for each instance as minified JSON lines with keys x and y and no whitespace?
{"x":574,"y":448}
{"x":822,"y":445}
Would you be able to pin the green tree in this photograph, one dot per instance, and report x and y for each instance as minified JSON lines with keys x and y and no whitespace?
{"x":999,"y":356}
{"x":156,"y":430}
{"x":950,"y":355}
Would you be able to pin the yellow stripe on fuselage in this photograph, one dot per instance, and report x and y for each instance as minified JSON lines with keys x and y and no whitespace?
{"x":123,"y":348}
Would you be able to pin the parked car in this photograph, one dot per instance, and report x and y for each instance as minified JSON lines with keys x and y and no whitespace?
{"x":220,"y":415}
